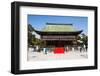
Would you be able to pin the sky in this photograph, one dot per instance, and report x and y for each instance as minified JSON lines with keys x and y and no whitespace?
{"x":39,"y":21}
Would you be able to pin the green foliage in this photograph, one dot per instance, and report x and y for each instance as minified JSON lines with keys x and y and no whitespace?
{"x":36,"y":41}
{"x":30,"y":36}
{"x":83,"y":38}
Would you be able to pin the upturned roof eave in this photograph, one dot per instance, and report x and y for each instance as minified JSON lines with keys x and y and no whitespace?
{"x":57,"y":32}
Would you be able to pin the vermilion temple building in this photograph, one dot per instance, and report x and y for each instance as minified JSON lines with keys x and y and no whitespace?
{"x":60,"y":36}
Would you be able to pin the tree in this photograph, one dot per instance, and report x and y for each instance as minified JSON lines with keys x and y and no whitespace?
{"x":30,"y":36}
{"x":84,"y":39}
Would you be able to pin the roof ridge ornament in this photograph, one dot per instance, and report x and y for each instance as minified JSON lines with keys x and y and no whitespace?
{"x":58,"y":23}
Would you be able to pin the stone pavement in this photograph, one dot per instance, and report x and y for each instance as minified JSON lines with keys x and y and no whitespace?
{"x":40,"y":56}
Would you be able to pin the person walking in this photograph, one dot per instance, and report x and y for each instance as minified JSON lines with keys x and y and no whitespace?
{"x":45,"y":50}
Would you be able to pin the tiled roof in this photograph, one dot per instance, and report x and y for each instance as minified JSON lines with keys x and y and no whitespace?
{"x":55,"y":27}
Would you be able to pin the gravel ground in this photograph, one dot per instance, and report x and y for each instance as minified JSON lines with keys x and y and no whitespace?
{"x":37,"y":56}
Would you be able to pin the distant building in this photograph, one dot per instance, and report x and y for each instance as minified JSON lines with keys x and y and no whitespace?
{"x":36,"y":35}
